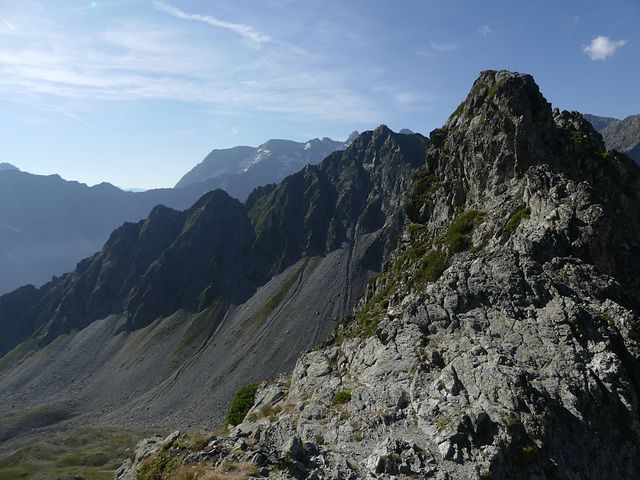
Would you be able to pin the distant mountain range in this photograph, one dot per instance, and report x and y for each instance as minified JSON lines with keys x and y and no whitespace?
{"x":621,"y":135}
{"x":48,"y":224}
{"x":239,"y":170}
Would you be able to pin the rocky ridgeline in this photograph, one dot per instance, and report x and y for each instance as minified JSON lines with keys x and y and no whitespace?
{"x":500,"y":340}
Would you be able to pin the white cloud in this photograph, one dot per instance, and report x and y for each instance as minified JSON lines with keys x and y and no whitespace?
{"x":249,"y":83}
{"x":244,"y":30}
{"x":602,"y":47}
{"x":485,"y":30}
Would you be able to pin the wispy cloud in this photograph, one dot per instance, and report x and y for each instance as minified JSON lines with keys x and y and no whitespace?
{"x":485,"y":30}
{"x":602,"y":47}
{"x":244,"y":30}
{"x":62,"y":110}
{"x":8,"y":24}
{"x":435,"y":48}
{"x":56,"y":58}
{"x":442,"y":47}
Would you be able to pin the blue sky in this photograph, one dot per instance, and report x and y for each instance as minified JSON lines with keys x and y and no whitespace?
{"x":137,"y":92}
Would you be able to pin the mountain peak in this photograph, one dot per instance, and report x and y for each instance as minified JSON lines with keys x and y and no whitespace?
{"x":352,"y":137}
{"x":8,"y":166}
{"x":504,"y":93}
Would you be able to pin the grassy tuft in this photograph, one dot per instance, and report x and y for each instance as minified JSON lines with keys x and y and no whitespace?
{"x":434,"y":264}
{"x":457,"y":237}
{"x":341,"y":397}
{"x":527,"y":455}
{"x":516,"y":219}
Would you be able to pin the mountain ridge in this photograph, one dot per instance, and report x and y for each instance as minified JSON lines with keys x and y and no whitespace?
{"x":137,"y":320}
{"x":500,"y":339}
{"x":47,"y":224}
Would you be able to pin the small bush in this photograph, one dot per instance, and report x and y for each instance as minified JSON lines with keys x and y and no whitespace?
{"x":242,"y":403}
{"x":341,"y":397}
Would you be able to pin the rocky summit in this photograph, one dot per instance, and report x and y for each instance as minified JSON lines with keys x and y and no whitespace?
{"x":499,"y":340}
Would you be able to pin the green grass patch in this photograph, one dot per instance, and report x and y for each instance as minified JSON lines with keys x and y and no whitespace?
{"x":457,"y":111}
{"x":157,"y":467}
{"x":91,"y":453}
{"x":605,"y":156}
{"x":341,"y":398}
{"x":477,"y":88}
{"x":516,"y":218}
{"x":434,"y":264}
{"x":494,"y":89}
{"x":241,"y":404}
{"x":425,"y":183}
{"x":31,"y":419}
{"x":367,"y":319}
{"x":579,"y":137}
{"x":458,"y":235}
{"x":527,"y":455}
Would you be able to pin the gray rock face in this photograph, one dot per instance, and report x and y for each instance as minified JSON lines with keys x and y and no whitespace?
{"x":501,"y":340}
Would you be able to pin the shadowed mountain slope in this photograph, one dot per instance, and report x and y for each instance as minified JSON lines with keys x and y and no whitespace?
{"x":47,"y":224}
{"x":179,"y":310}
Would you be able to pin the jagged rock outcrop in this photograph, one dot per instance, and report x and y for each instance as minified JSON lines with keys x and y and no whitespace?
{"x":501,"y":339}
